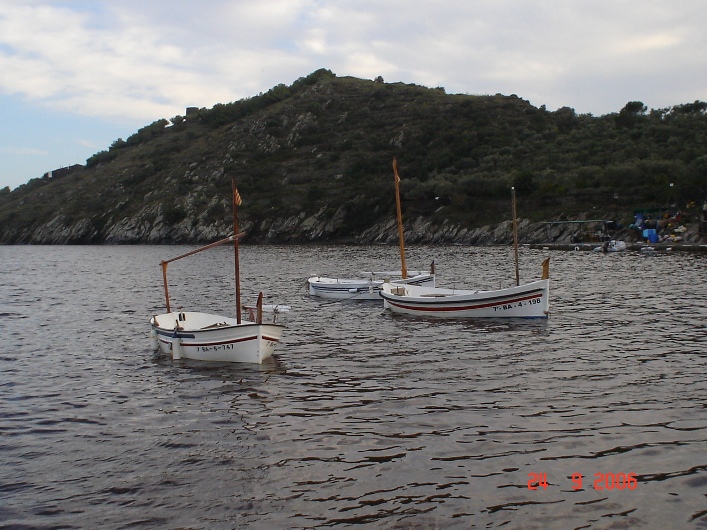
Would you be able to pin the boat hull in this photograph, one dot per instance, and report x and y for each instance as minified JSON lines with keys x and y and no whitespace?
{"x":526,"y":301}
{"x":207,"y":337}
{"x":359,"y":289}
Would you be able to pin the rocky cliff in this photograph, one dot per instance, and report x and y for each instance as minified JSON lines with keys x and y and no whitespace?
{"x":149,"y":227}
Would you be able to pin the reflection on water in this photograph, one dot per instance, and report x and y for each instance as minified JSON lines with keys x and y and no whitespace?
{"x":361,"y":417}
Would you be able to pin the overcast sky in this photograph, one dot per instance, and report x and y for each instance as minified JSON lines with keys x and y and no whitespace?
{"x":77,"y":75}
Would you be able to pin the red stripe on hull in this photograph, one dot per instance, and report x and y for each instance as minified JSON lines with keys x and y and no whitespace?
{"x":230,"y":341}
{"x":462,"y":307}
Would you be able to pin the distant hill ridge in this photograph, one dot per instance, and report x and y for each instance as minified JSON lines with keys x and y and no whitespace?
{"x":313,"y":164}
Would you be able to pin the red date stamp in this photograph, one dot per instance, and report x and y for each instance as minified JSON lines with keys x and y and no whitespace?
{"x":602,"y":481}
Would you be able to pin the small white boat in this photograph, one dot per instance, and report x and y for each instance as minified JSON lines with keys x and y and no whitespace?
{"x":207,"y":337}
{"x":210,"y":337}
{"x":530,"y":300}
{"x":611,"y":246}
{"x":520,"y":301}
{"x":365,"y":288}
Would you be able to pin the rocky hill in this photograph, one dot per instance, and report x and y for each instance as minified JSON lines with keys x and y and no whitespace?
{"x":313,"y":164}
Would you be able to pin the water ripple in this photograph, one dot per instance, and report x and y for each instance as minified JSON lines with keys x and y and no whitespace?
{"x":362,"y":417}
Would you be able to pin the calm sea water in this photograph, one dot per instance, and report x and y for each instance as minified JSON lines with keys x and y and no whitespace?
{"x":362,"y":418}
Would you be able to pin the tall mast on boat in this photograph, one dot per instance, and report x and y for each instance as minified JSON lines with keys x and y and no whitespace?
{"x":236,"y":202}
{"x":403,"y":269}
{"x":515,"y":234}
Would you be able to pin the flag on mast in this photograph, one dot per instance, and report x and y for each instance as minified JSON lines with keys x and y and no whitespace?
{"x":237,"y":197}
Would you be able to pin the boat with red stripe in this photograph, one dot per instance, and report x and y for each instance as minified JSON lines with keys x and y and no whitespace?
{"x":531,"y":300}
{"x":525,"y":301}
{"x":208,"y":337}
{"x":213,"y":337}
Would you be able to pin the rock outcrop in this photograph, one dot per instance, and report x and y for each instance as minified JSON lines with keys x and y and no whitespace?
{"x":149,"y":227}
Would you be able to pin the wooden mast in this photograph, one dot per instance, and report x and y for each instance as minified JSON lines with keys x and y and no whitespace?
{"x":515,"y":234}
{"x":164,"y":281}
{"x":236,"y":264}
{"x":403,"y":268}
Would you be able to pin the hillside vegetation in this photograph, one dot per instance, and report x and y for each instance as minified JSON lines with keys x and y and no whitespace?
{"x":313,"y":163}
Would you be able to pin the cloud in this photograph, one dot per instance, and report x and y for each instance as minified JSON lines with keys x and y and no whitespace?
{"x":147,"y":60}
{"x":24,"y":151}
{"x":69,"y":61}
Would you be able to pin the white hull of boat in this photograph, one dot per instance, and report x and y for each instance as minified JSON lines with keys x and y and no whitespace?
{"x":360,"y":289}
{"x":207,"y":337}
{"x":525,"y":301}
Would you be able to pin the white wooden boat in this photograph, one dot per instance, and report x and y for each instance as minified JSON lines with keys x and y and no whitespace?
{"x":212,"y":337}
{"x":207,"y":337}
{"x":530,"y":300}
{"x":365,"y":288}
{"x":520,"y":301}
{"x":611,"y":246}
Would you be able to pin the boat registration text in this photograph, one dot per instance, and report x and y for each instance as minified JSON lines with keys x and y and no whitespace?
{"x":519,"y":304}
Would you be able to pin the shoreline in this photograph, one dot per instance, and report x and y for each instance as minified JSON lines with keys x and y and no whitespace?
{"x":640,"y":247}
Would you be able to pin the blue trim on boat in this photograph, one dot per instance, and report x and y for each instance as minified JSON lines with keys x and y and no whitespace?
{"x":173,"y":334}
